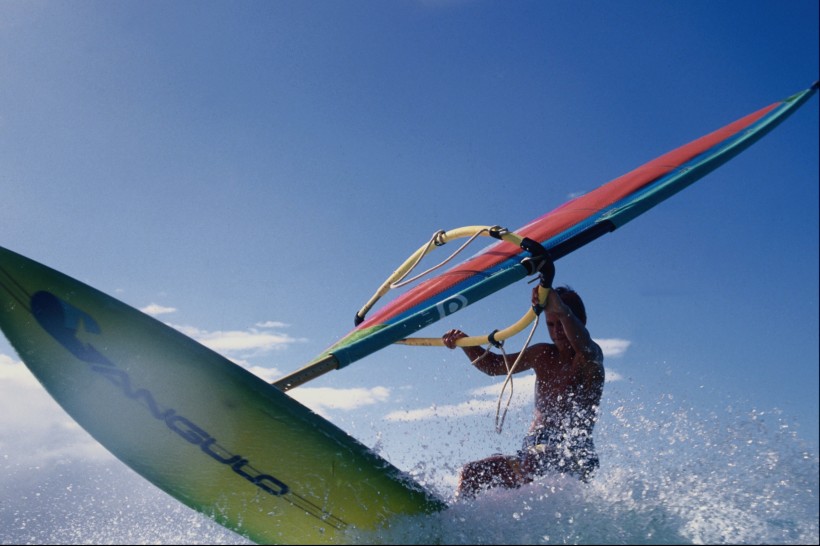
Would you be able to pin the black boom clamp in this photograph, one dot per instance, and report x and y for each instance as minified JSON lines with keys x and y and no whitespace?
{"x":540,"y":261}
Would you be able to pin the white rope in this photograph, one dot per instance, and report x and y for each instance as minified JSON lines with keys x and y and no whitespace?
{"x":510,"y":370}
{"x":437,"y":240}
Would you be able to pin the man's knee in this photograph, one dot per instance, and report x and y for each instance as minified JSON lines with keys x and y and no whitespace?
{"x":487,"y":473}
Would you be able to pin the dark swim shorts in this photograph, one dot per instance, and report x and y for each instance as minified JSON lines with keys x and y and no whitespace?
{"x":546,"y":451}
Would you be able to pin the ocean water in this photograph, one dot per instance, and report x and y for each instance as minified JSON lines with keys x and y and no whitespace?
{"x":668,"y":476}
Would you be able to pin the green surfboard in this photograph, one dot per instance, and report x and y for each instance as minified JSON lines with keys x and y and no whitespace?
{"x":203,"y":429}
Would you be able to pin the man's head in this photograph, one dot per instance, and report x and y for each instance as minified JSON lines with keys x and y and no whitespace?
{"x":572,"y":300}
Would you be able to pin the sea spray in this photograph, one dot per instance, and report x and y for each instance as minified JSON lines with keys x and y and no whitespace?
{"x":669,"y":475}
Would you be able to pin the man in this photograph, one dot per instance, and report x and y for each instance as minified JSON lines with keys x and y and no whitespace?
{"x":569,"y":381}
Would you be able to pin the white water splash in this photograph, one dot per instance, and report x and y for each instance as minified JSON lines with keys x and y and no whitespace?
{"x":668,"y":475}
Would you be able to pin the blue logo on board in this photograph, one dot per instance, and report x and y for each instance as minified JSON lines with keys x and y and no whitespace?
{"x":68,"y":325}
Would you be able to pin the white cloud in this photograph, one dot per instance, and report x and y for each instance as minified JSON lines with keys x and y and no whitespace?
{"x":464,"y":409}
{"x":268,"y":374}
{"x":322,"y":399}
{"x":272,"y":324}
{"x":482,"y":401}
{"x":262,"y":337}
{"x":238,"y":341}
{"x":155,"y":309}
{"x":613,"y":347}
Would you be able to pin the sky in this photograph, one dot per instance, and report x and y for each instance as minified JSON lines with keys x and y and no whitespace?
{"x":250,"y":172}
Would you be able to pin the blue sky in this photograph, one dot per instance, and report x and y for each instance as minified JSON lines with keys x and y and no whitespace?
{"x":250,"y":172}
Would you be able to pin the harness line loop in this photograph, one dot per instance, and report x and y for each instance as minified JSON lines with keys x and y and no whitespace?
{"x":438,"y":240}
{"x":510,"y":370}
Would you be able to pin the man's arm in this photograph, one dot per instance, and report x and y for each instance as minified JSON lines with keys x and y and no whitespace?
{"x":577,"y":334}
{"x":492,"y":363}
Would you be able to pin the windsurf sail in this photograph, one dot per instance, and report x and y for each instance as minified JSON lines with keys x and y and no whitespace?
{"x":560,"y":232}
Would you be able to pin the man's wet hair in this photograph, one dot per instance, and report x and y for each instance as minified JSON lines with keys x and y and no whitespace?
{"x":572,"y":300}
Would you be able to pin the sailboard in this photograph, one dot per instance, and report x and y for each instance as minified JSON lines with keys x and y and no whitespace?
{"x":242,"y":451}
{"x":201,"y":428}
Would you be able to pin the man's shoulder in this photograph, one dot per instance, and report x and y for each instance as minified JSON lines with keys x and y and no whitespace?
{"x":598,"y":355}
{"x":594,"y":361}
{"x":547,"y":349}
{"x":542,"y":355}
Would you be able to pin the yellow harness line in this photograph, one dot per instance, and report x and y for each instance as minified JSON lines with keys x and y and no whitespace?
{"x":473,"y":341}
{"x":438,"y":239}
